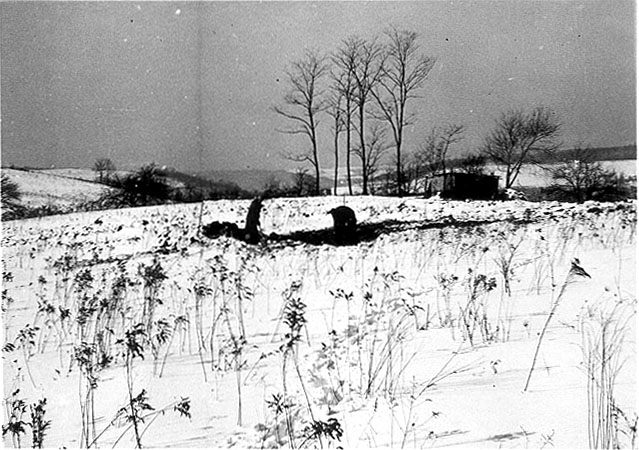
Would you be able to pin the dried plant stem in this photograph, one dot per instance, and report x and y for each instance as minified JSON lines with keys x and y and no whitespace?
{"x":553,"y":309}
{"x":575,"y":270}
{"x":129,"y":384}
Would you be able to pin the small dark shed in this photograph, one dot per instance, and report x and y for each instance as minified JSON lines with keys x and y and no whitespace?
{"x":463,"y":186}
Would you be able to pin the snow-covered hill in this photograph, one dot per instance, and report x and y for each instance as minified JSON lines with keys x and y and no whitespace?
{"x":45,"y":188}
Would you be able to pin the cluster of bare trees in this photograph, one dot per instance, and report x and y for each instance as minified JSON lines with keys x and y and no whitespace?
{"x":366,"y":86}
{"x":361,"y":80}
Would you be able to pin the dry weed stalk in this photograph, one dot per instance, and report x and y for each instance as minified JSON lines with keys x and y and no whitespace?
{"x":603,"y":331}
{"x":575,"y":271}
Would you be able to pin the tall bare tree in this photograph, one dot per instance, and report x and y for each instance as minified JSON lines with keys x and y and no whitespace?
{"x":302,"y":104}
{"x":344,"y":61}
{"x":519,"y":138}
{"x":334,"y":109}
{"x":367,"y":71}
{"x":404,"y":71}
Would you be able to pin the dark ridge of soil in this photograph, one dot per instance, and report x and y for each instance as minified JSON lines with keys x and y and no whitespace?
{"x":365,"y":232}
{"x":368,"y":232}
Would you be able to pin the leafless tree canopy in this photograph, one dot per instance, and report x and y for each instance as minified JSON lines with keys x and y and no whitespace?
{"x":432,"y":153}
{"x":303,"y":103}
{"x":473,"y":164}
{"x":344,"y":60}
{"x":577,"y":176}
{"x":104,"y":167}
{"x":377,"y":146}
{"x":519,"y":138}
{"x":367,"y":71}
{"x":404,"y":72}
{"x":336,"y":111}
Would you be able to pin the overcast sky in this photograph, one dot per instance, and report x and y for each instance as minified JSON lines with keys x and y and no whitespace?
{"x":192,"y":85}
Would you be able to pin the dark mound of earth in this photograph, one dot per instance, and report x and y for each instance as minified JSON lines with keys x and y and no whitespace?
{"x":364,"y":232}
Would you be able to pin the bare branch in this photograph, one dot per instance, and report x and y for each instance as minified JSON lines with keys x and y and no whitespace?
{"x":404,"y":71}
{"x":303,"y":102}
{"x":519,"y":138}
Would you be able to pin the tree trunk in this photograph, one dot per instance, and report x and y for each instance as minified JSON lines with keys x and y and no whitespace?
{"x":363,"y":150}
{"x":315,"y":159}
{"x":336,"y":143}
{"x":348,"y":147}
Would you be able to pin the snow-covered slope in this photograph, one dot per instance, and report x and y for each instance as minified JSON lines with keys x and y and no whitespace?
{"x":420,"y":338}
{"x":40,"y":188}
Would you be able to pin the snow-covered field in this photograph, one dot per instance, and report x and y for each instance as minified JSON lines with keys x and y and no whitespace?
{"x":57,"y":188}
{"x":420,"y":338}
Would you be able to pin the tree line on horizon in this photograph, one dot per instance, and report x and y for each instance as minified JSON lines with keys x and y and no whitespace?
{"x":366,"y":87}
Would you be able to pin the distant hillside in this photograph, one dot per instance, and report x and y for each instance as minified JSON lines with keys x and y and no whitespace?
{"x":608,"y":153}
{"x":40,"y":189}
{"x":615,"y":153}
{"x":221,"y":188}
{"x":256,"y":180}
{"x":628,"y":152}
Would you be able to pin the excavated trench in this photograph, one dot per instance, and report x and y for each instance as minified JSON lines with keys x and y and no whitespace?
{"x":364,"y":232}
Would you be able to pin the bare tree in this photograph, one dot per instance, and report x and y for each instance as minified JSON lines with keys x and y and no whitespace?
{"x":366,"y":73}
{"x":578,"y":177}
{"x":104,"y":167}
{"x":303,"y":183}
{"x":344,"y":60}
{"x":303,"y":103}
{"x":404,"y":71}
{"x":432,"y":152}
{"x":377,"y":146}
{"x":336,"y":112}
{"x":519,"y":138}
{"x":428,"y":154}
{"x":450,"y":134}
{"x":473,"y":164}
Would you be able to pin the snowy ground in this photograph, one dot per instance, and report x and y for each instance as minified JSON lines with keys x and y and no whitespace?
{"x":421,"y":338}
{"x":58,"y":188}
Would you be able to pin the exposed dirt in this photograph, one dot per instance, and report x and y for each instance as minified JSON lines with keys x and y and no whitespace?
{"x":365,"y":232}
